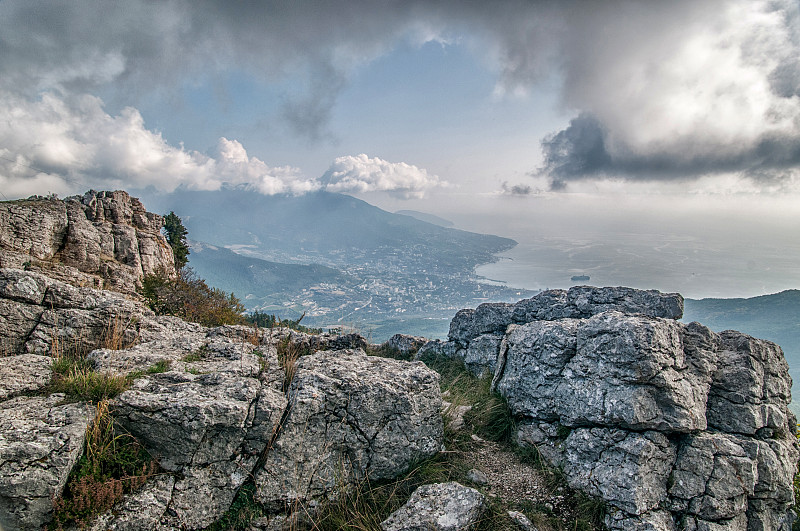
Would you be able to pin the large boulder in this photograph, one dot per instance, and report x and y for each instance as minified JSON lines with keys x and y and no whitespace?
{"x":350,"y":417}
{"x":209,"y":429}
{"x":40,"y":441}
{"x":672,"y":425}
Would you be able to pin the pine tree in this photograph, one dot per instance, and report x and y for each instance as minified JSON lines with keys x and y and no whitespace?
{"x":176,"y":236}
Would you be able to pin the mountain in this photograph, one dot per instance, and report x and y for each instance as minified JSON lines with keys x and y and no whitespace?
{"x":429,"y":218}
{"x":774,"y":317}
{"x":320,"y":227}
{"x":361,"y":266}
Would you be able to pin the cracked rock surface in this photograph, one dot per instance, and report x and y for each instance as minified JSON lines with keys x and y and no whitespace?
{"x":40,"y":441}
{"x":674,"y":426}
{"x":350,"y":416}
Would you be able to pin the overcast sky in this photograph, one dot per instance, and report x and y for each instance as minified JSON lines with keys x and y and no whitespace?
{"x":503,"y":106}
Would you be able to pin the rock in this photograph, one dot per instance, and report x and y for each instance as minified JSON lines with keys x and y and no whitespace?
{"x":437,"y":348}
{"x":579,"y":302}
{"x":26,"y":373}
{"x":40,"y":441}
{"x":669,"y":423}
{"x":142,"y":509}
{"x":477,"y":477}
{"x":101,"y":239}
{"x":521,"y":521}
{"x":751,"y":387}
{"x":405,"y":343}
{"x":481,"y":356}
{"x":441,"y":507}
{"x":42,"y":314}
{"x":350,"y":416}
{"x":488,"y":318}
{"x":627,"y":469}
{"x":210,"y":429}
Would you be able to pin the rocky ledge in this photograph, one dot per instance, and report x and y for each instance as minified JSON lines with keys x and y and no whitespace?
{"x":673,"y":425}
{"x":103,"y":240}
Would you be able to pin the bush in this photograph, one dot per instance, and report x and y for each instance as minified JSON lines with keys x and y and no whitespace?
{"x":190,"y":298}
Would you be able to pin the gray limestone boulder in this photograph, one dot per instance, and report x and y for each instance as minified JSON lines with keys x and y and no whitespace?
{"x":627,"y":469}
{"x":350,"y":417}
{"x":210,"y":429}
{"x":25,"y":373}
{"x":143,"y":509}
{"x":101,"y":239}
{"x":438,"y":507}
{"x":406,"y":343}
{"x":40,"y":441}
{"x":672,"y":425}
{"x":488,"y":318}
{"x":480,"y":357}
{"x":751,"y":387}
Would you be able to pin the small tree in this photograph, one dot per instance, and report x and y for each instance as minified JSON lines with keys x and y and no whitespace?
{"x":176,"y":236}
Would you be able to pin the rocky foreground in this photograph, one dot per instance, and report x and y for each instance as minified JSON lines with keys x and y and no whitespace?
{"x":674,"y":426}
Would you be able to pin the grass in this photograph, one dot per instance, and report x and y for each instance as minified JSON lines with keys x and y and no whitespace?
{"x":112,"y":465}
{"x":288,"y":354}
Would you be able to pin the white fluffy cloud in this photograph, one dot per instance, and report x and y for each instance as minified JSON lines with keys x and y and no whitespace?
{"x":59,"y":145}
{"x":364,"y":174}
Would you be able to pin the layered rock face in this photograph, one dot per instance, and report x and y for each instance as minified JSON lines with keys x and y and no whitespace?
{"x":217,"y":417}
{"x":103,"y":240}
{"x":673,"y":425}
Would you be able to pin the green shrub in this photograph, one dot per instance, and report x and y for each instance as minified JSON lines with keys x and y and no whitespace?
{"x":189,"y":297}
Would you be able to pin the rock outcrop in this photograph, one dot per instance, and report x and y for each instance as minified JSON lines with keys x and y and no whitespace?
{"x":104,"y":240}
{"x":672,"y":425}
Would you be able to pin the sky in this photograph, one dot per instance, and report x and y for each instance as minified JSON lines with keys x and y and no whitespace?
{"x":608,"y":122}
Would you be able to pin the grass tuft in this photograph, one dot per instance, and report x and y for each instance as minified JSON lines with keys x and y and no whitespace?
{"x":112,"y":465}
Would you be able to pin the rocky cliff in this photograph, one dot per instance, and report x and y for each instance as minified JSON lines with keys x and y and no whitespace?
{"x":104,"y":240}
{"x":673,"y":425}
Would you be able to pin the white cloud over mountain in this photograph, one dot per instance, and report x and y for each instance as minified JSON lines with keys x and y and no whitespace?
{"x":363,"y":174}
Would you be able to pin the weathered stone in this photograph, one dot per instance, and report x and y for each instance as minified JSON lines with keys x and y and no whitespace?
{"x":100,"y":239}
{"x":477,"y":477}
{"x":438,"y":507}
{"x":481,"y":355}
{"x":521,"y":521}
{"x":406,"y":343}
{"x":751,"y":387}
{"x":350,"y":416}
{"x":713,"y":477}
{"x":139,"y":510}
{"x":19,"y":374}
{"x":631,"y":372}
{"x":40,"y":441}
{"x":627,"y":469}
{"x":209,"y":428}
{"x":488,"y":318}
{"x":438,"y":348}
{"x":536,"y":355}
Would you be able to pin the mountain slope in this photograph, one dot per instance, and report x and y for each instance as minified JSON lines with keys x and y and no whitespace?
{"x":321,"y":227}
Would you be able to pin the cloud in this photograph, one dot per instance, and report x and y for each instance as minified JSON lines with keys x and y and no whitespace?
{"x":67,"y":144}
{"x":363,"y":174}
{"x":518,"y":190}
{"x":713,"y":88}
{"x":660,"y":90}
